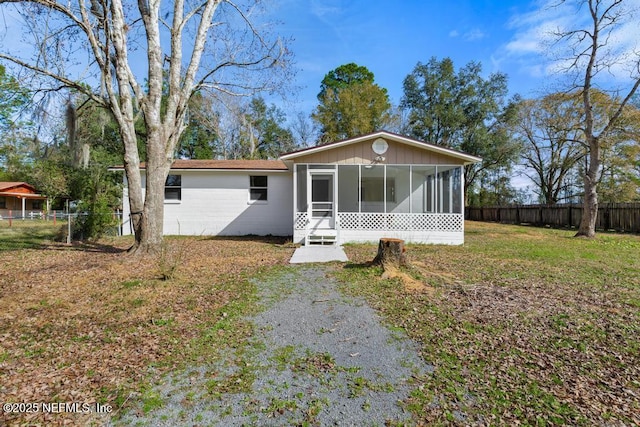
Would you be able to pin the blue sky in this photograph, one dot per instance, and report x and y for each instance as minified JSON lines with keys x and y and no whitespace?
{"x":390,"y":37}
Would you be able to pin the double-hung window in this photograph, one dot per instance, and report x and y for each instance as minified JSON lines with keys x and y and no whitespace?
{"x":258,"y":188}
{"x":173,"y":188}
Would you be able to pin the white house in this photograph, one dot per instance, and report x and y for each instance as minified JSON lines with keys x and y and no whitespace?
{"x":356,"y":190}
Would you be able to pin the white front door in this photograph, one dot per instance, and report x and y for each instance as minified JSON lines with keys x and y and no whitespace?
{"x":321,"y":200}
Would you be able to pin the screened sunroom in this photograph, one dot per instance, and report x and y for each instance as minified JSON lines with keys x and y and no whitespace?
{"x":344,"y":193}
{"x":378,"y":185}
{"x":357,"y":202}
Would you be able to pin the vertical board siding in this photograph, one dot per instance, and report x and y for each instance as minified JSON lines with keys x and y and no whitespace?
{"x":361,"y":153}
{"x":624,"y":217}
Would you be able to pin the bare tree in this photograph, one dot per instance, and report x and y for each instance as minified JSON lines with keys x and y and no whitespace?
{"x":304,"y":129}
{"x":550,"y":129}
{"x":591,"y":52}
{"x":146,"y":59}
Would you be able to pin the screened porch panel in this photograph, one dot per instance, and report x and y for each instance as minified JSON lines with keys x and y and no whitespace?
{"x":407,"y":198}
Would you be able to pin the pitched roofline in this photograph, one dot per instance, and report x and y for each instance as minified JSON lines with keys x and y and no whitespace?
{"x":4,"y":185}
{"x":468,"y":158}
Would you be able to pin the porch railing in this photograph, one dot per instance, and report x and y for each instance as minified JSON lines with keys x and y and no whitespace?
{"x":392,"y":221}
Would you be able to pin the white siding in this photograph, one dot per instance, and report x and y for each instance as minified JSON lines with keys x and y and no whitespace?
{"x":217,"y":203}
{"x":126,"y":210}
{"x":424,"y":237}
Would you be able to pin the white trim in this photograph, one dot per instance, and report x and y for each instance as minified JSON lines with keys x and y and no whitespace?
{"x":115,"y":169}
{"x":230,"y":170}
{"x":373,"y":236}
{"x":384,"y":189}
{"x":334,"y":190}
{"x":294,"y":199}
{"x":251,"y":201}
{"x":359,"y":188}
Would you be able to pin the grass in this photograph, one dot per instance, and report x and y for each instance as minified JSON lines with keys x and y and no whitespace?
{"x":523,"y":325}
{"x":88,"y":322}
{"x":26,"y":234}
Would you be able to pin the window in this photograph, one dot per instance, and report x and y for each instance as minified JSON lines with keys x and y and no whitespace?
{"x":348,"y":188}
{"x":450,"y":190}
{"x":36,"y":204}
{"x":258,"y":188}
{"x":173,"y":188}
{"x":373,"y":189}
{"x":398,"y":189}
{"x":301,"y":184}
{"x":423,"y":181}
{"x":3,"y":202}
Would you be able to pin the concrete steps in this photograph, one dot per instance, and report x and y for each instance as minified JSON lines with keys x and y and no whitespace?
{"x":321,"y":237}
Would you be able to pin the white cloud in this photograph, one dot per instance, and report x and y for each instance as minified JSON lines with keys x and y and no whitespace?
{"x":471,"y":35}
{"x":534,"y":31}
{"x":536,"y":44}
{"x":523,"y":46}
{"x":474,"y":34}
{"x":324,"y":9}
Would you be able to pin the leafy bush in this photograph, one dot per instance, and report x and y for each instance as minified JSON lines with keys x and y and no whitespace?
{"x":94,"y":219}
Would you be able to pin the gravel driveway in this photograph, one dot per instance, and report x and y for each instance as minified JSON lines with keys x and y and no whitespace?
{"x":320,"y":358}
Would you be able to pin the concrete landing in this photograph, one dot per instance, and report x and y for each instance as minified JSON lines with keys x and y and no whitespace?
{"x":318,"y":253}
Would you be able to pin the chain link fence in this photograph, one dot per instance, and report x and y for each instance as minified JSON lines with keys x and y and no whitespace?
{"x":8,"y":217}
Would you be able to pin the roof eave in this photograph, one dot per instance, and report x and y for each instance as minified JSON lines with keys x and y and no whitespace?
{"x":22,"y":195}
{"x":16,"y":184}
{"x":228,"y":170}
{"x":121,"y":169}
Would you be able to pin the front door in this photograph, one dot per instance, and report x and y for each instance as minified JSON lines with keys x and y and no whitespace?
{"x":321,"y":201}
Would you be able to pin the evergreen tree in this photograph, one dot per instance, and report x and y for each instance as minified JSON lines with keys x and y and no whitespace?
{"x":351,"y":104}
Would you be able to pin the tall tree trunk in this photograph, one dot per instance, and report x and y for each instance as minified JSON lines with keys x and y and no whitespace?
{"x":134,"y":182}
{"x":102,"y":27}
{"x":587,"y":226}
{"x":153,"y":215}
{"x":157,"y":167}
{"x":147,"y":211}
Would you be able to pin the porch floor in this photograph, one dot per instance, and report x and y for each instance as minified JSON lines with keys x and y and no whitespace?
{"x":318,"y":253}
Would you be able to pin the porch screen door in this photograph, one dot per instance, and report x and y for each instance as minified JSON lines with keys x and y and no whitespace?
{"x":322,"y":200}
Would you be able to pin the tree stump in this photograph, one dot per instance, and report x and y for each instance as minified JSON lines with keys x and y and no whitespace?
{"x":391,"y":253}
{"x":391,"y":256}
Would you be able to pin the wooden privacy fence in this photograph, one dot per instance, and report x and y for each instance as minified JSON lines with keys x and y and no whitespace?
{"x":611,"y":216}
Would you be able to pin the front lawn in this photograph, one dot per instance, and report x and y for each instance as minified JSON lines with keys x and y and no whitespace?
{"x":523,"y":325}
{"x":89,"y":323}
{"x":26,"y":234}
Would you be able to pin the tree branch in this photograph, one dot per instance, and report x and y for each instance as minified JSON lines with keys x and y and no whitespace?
{"x":65,"y":81}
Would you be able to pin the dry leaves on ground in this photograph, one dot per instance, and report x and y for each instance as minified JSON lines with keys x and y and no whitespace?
{"x":90,"y":323}
{"x":520,"y":333}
